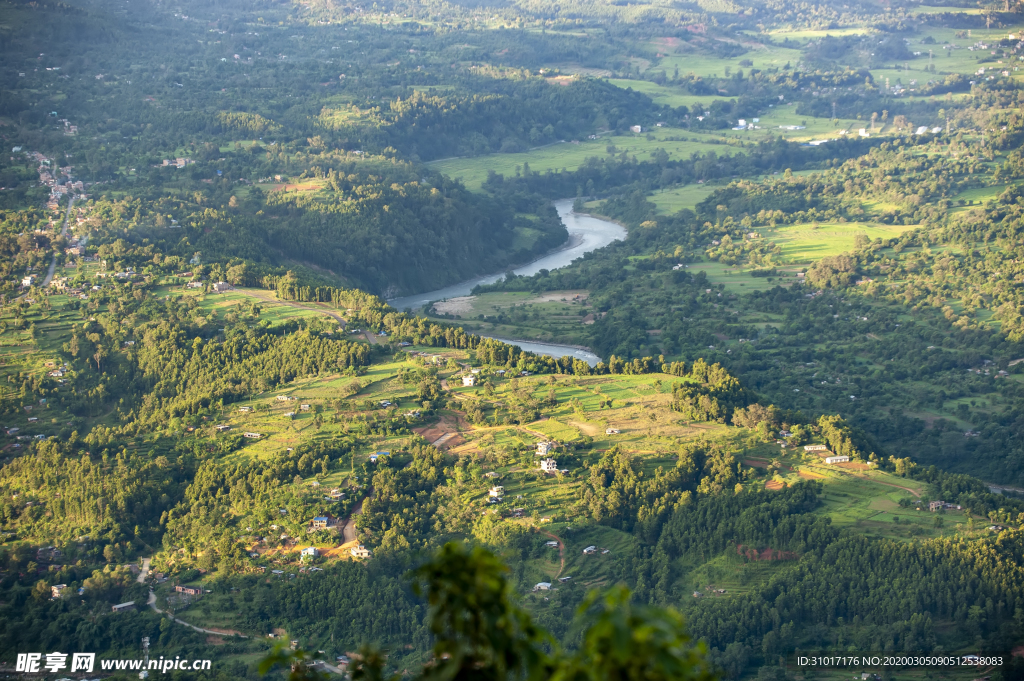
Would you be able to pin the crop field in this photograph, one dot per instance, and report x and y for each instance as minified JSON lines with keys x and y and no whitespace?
{"x":807,"y":35}
{"x":762,"y":57}
{"x":673,"y":200}
{"x":668,"y":95}
{"x":804,"y":243}
{"x":568,"y":155}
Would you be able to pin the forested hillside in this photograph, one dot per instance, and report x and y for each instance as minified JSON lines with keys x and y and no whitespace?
{"x":778,"y":414}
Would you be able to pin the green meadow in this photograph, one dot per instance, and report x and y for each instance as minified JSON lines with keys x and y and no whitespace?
{"x":571,"y":155}
{"x":804,"y":243}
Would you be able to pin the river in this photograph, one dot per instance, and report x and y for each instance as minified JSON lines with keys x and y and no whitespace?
{"x":586,"y":233}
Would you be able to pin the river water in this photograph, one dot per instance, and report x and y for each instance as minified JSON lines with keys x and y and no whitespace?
{"x":586,"y":234}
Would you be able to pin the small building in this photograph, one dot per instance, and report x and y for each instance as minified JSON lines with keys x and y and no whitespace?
{"x":337,"y":494}
{"x":359,"y":551}
{"x":310,"y":552}
{"x":57,"y":590}
{"x":836,"y":459}
{"x":289,"y":415}
{"x":815,"y":448}
{"x":245,"y":410}
{"x":469,"y":381}
{"x":123,"y":607}
{"x":282,"y":398}
{"x":553,"y":544}
{"x":590,"y":550}
{"x":189,"y":590}
{"x":542,"y":586}
{"x":252,"y":436}
{"x":304,"y":407}
{"x":222,"y":427}
{"x":565,"y":579}
{"x":222,"y":286}
{"x":496,"y":491}
{"x":545,"y":448}
{"x":611,"y":431}
{"x":321,"y":522}
{"x":636,"y":128}
{"x":549,"y":466}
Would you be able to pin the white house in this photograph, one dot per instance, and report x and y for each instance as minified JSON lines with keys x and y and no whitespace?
{"x":310,"y":552}
{"x":542,"y":586}
{"x":549,"y":466}
{"x":611,"y":431}
{"x":836,"y":459}
{"x":815,"y":448}
{"x":545,"y":448}
{"x":590,"y":550}
{"x":469,"y":381}
{"x":359,"y":551}
{"x":496,"y":491}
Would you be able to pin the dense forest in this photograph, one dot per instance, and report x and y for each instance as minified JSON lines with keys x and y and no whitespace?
{"x":786,"y":412}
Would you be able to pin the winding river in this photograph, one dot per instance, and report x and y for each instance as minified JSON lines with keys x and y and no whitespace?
{"x":586,"y":234}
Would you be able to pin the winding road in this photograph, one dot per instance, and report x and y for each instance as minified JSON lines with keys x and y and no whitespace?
{"x":151,"y":602}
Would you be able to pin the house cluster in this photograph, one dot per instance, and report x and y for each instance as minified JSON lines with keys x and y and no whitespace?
{"x":943,"y":506}
{"x":824,"y":453}
{"x":742,"y":124}
{"x":59,"y":181}
{"x":176,"y":163}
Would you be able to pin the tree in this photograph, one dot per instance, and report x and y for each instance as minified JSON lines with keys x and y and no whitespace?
{"x":481,"y":634}
{"x":629,"y":642}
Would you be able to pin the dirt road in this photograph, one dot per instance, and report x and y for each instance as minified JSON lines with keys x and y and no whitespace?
{"x":63,"y":232}
{"x":224,"y":632}
{"x":349,"y":529}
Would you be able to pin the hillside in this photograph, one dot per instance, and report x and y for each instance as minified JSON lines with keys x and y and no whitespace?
{"x":796,"y":430}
